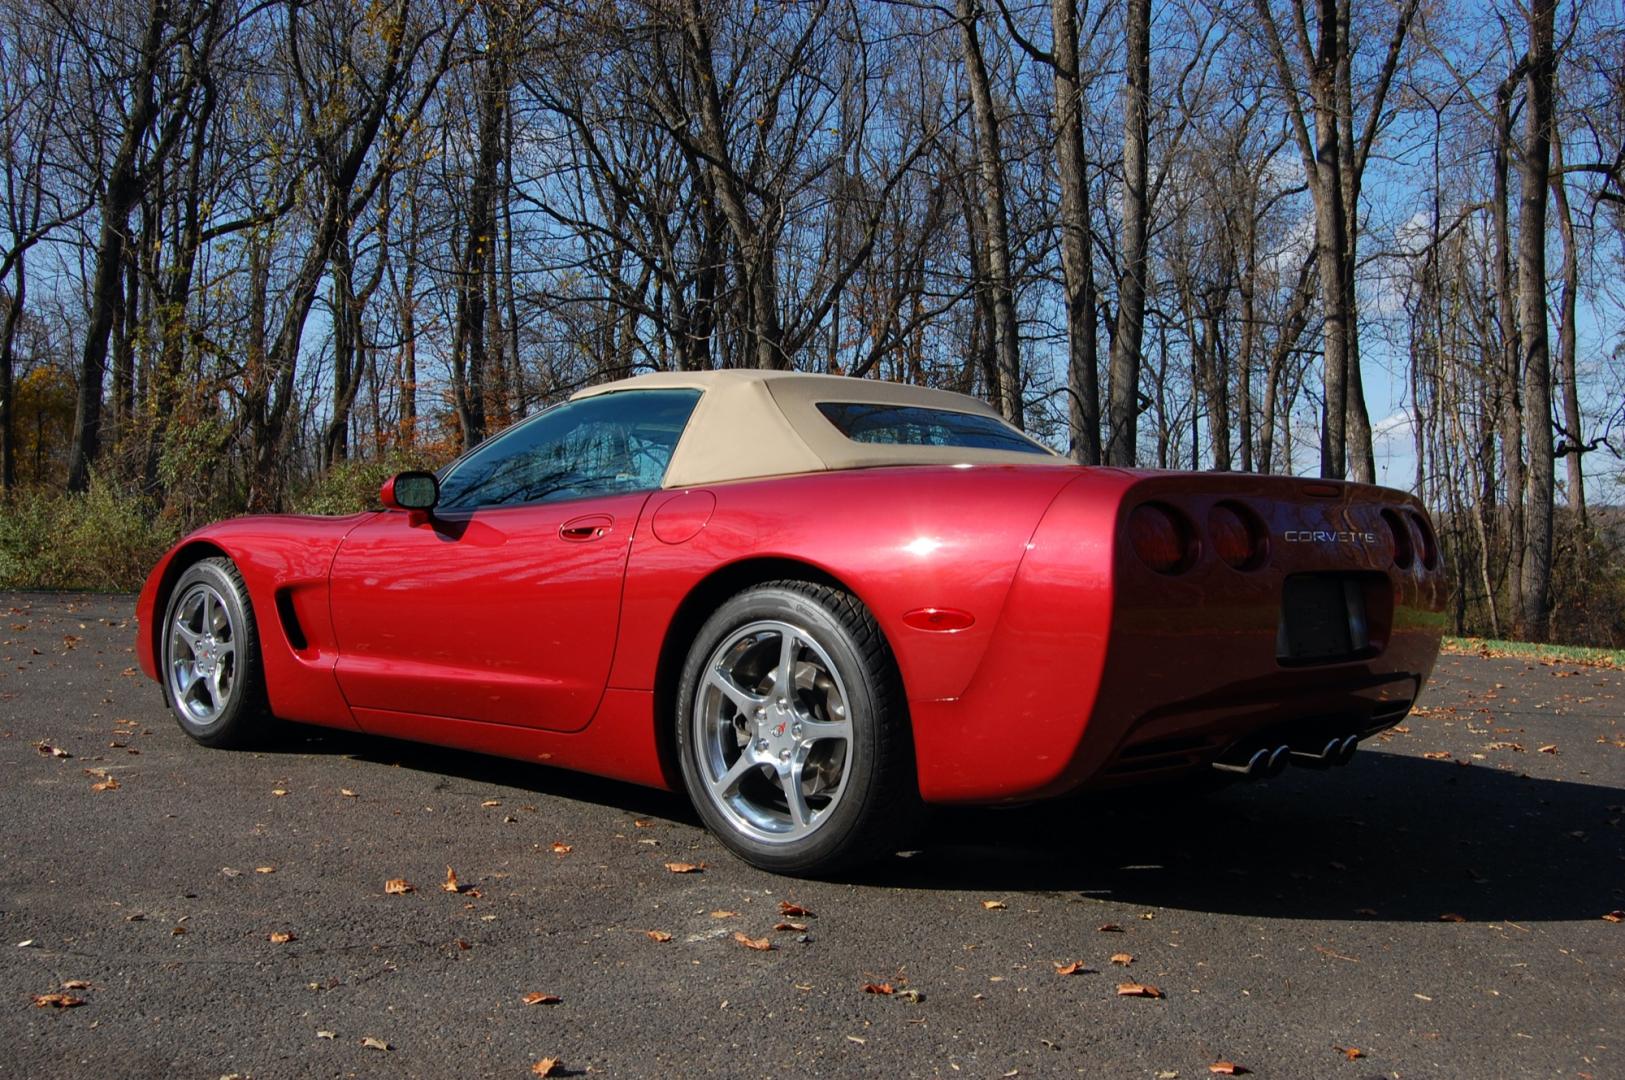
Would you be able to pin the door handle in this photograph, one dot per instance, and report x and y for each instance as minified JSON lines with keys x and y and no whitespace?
{"x":590,"y":527}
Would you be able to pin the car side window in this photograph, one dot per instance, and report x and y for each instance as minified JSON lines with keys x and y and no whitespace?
{"x":604,"y":445}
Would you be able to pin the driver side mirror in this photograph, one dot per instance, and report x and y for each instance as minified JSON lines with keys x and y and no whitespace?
{"x":415,"y":490}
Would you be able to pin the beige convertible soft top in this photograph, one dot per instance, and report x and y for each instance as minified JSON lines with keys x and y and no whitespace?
{"x":753,"y":423}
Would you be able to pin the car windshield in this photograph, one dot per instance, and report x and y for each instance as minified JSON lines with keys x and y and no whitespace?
{"x":604,"y":445}
{"x":914,"y":425}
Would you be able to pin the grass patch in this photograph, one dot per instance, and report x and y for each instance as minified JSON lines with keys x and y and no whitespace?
{"x":1567,"y":654}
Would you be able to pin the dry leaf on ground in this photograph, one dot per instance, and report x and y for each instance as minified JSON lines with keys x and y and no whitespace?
{"x":658,"y":935}
{"x":347,"y":793}
{"x":1138,"y":990}
{"x":109,"y":784}
{"x":282,"y":937}
{"x":1350,"y":1052}
{"x":1069,"y":969}
{"x":57,"y":1001}
{"x":799,"y":927}
{"x":546,"y":1067}
{"x":884,"y":989}
{"x":76,"y":984}
{"x":397,"y":886}
{"x":264,"y":869}
{"x":723,"y":913}
{"x":539,"y":998}
{"x":560,"y":848}
{"x":993,"y":905}
{"x":450,"y":884}
{"x":685,"y":867}
{"x":1109,"y":928}
{"x":1614,"y":917}
{"x":1123,"y":959}
{"x":1451,"y":916}
{"x":374,"y":1044}
{"x":795,"y":911}
{"x":759,"y":944}
{"x":1227,"y":1068}
{"x":1549,"y":748}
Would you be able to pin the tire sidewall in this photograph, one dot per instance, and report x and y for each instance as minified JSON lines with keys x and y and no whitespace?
{"x":229,"y":726}
{"x":825,"y":846}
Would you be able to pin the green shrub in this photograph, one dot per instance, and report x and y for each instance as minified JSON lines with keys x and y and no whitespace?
{"x":103,"y":539}
{"x":350,"y":486}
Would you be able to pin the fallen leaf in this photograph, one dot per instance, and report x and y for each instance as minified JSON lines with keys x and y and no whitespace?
{"x":450,"y":884}
{"x":685,"y":867}
{"x":1109,"y":928}
{"x":1350,"y":1052}
{"x":76,"y":984}
{"x":488,"y":803}
{"x":1437,"y":755}
{"x":279,"y":792}
{"x":911,"y":995}
{"x":561,"y":848}
{"x":1123,"y":959}
{"x":799,"y":927}
{"x":993,"y":905}
{"x":857,"y":1039}
{"x":397,"y":886}
{"x":51,"y":751}
{"x":794,"y":911}
{"x":539,"y":998}
{"x":109,"y":784}
{"x":723,"y":913}
{"x":1549,"y":748}
{"x":1614,"y":917}
{"x":374,"y":1044}
{"x":347,"y":793}
{"x":264,"y":869}
{"x":1069,"y":969}
{"x":1138,"y":990}
{"x":884,"y":989}
{"x":545,"y":1067}
{"x":57,"y":1001}
{"x":1451,"y":916}
{"x":641,"y":824}
{"x":759,"y":944}
{"x":1227,"y":1068}
{"x":327,"y":1034}
{"x":177,"y":931}
{"x":657,"y":935}
{"x":282,"y":937}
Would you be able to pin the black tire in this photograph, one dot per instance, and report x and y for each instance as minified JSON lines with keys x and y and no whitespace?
{"x":876,"y":805}
{"x":209,"y":658}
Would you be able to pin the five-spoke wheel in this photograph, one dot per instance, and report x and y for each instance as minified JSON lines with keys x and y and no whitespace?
{"x":210,"y":653}
{"x":791,"y":730}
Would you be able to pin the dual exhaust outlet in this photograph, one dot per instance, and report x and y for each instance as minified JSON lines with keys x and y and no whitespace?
{"x":1253,"y":762}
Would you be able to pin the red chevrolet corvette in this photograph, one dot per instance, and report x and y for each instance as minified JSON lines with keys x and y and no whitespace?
{"x":816,"y":604}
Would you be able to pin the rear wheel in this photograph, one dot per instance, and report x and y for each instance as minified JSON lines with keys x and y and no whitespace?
{"x":792,"y":730}
{"x":211,"y":657}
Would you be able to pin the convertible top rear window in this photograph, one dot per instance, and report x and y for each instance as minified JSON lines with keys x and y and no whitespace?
{"x":915,"y":425}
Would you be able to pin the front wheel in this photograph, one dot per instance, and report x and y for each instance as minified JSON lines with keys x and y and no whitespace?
{"x":211,"y":657}
{"x":792,"y":731}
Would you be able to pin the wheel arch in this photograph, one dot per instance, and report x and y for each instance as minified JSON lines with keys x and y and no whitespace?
{"x":703,"y":599}
{"x":188,"y":555}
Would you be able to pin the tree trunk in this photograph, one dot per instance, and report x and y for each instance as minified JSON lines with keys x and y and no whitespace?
{"x":995,"y":211}
{"x":1536,"y":175}
{"x":1574,"y":445}
{"x":8,"y":338}
{"x":1509,"y":389}
{"x":1077,"y":257}
{"x":1123,"y":377}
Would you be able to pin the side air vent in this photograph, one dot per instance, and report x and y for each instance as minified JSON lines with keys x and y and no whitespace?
{"x":290,"y":620}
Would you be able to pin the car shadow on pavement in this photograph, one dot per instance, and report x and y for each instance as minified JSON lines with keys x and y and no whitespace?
{"x":484,"y":769}
{"x":1387,"y":837}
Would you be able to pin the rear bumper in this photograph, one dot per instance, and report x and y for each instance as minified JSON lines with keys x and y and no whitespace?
{"x":1106,"y":673}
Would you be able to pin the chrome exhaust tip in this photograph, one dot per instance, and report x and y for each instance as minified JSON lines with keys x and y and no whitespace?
{"x":1319,"y":759}
{"x":1345,"y":749}
{"x":1279,"y":757}
{"x":1253,"y":768}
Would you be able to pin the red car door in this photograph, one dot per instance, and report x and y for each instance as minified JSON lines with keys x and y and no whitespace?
{"x":503,"y":604}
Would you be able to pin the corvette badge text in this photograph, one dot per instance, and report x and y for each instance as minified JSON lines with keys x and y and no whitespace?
{"x":1319,"y":536}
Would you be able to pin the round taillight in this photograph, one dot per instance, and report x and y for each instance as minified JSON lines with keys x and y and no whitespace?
{"x":1238,"y":537}
{"x":1426,"y":543}
{"x":1162,"y":538}
{"x":1400,"y":534}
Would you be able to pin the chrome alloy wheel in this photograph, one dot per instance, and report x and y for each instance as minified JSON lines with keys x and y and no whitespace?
{"x":202,"y":654}
{"x":772,"y":732}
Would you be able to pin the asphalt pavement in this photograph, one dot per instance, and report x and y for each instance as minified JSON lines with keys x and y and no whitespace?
{"x":1438,"y":908}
